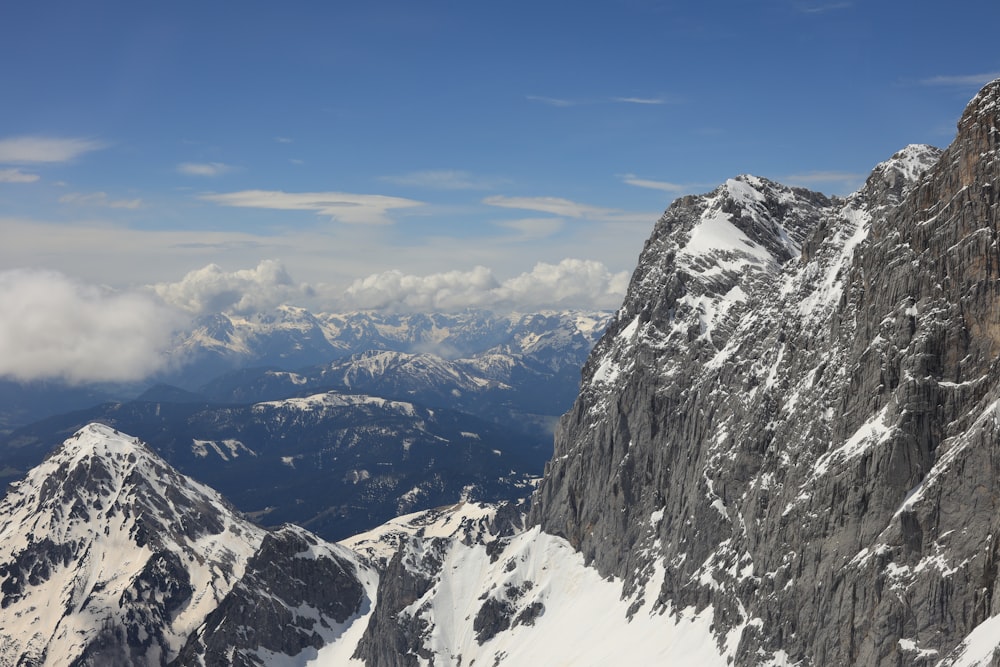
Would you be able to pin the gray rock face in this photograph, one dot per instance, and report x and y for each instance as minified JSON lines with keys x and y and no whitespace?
{"x":793,"y":418}
{"x":296,"y":594}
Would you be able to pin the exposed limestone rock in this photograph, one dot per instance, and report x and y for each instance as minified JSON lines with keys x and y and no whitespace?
{"x":795,"y":413}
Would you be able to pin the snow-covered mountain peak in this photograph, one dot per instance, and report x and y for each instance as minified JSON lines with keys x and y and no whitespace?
{"x":110,"y":556}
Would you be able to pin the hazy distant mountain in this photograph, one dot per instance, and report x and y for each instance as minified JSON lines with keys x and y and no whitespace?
{"x":290,"y":338}
{"x":541,"y":354}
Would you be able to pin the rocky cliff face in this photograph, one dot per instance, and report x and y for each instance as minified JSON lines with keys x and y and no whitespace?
{"x":793,"y":420}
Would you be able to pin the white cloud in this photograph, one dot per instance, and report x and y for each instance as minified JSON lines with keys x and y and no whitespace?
{"x":283,"y":140}
{"x":632,"y":179}
{"x":21,"y":150}
{"x":213,"y":290}
{"x":203,"y":168}
{"x":16,"y":176}
{"x":552,"y":101}
{"x":347,"y":208}
{"x":639,"y":100}
{"x":54,"y":327}
{"x":99,"y":199}
{"x":440,"y":179}
{"x":567,"y":208}
{"x":822,"y":7}
{"x":572,"y":283}
{"x":977,"y":80}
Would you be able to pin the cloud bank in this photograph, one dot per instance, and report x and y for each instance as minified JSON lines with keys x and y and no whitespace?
{"x":572,"y":283}
{"x":53,"y":327}
{"x":213,"y":290}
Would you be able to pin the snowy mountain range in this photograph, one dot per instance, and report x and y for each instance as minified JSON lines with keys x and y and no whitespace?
{"x":290,"y":338}
{"x":223,"y":357}
{"x":783,"y":452}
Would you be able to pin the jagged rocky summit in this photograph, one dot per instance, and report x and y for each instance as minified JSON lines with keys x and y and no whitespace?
{"x":793,"y":423}
{"x":110,"y":557}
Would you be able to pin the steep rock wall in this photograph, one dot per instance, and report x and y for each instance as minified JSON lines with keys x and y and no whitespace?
{"x":794,"y":417}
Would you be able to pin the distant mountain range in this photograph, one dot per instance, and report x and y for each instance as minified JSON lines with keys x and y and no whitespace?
{"x":540,"y":353}
{"x":346,"y":445}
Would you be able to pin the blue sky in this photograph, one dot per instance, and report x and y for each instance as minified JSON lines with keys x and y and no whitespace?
{"x":438,"y":154}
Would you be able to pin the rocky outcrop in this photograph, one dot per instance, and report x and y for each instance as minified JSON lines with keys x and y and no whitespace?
{"x":296,"y":594}
{"x":792,"y":420}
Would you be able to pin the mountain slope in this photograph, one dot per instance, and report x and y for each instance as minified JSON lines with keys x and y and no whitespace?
{"x":108,"y":556}
{"x":791,"y":421}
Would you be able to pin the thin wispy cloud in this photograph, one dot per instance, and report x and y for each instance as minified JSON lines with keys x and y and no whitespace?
{"x":344,"y":207}
{"x":203,"y":168}
{"x":562,"y":102}
{"x":17,"y":176}
{"x":822,"y":7}
{"x":566,"y":208}
{"x":99,"y":199}
{"x":533,"y":228}
{"x":552,"y":101}
{"x":283,"y":140}
{"x":639,"y":100}
{"x":976,"y":80}
{"x":663,"y":186}
{"x":39,"y":150}
{"x":440,"y":179}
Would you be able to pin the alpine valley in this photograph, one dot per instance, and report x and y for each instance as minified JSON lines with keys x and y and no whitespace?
{"x":785,"y":451}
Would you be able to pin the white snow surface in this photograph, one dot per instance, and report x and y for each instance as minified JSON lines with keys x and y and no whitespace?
{"x":584,"y":621}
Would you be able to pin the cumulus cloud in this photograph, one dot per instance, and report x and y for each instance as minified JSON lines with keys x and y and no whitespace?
{"x":572,"y":283}
{"x":99,"y":199}
{"x":213,"y":290}
{"x":53,"y":327}
{"x":16,"y":176}
{"x":203,"y":168}
{"x":345,"y":207}
{"x":19,"y":150}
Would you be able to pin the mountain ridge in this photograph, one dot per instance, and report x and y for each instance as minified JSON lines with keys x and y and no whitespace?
{"x":785,"y":453}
